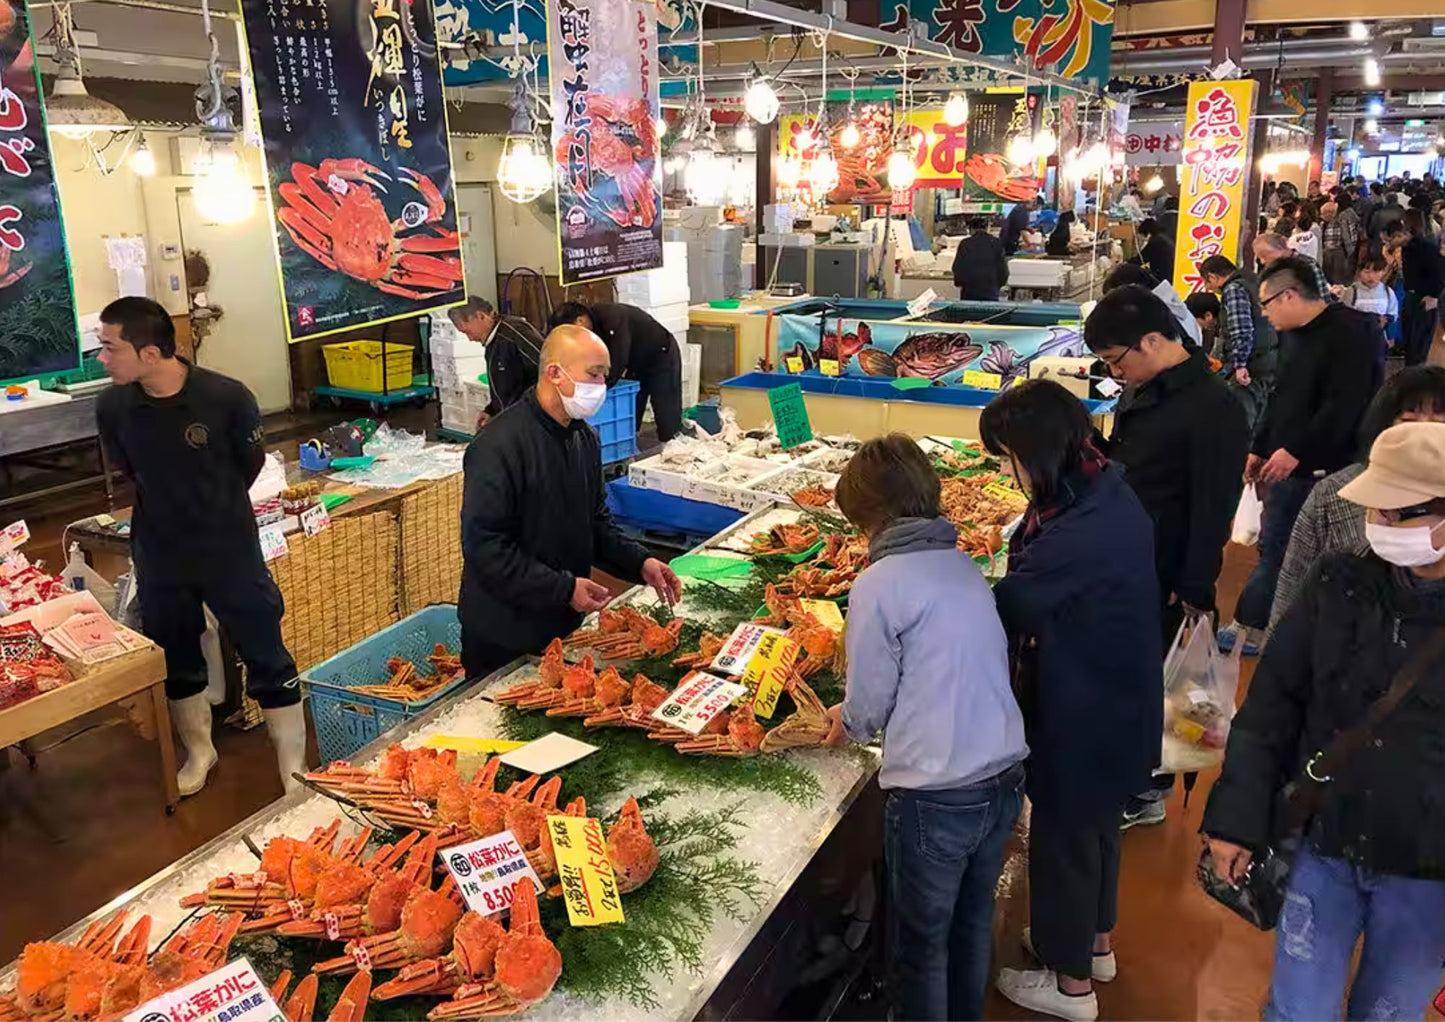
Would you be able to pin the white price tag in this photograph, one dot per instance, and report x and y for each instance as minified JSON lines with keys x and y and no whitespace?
{"x":697,"y":699}
{"x":14,"y":536}
{"x":918,"y":306}
{"x":1109,"y":388}
{"x":233,"y":992}
{"x":486,"y":870}
{"x":273,"y":543}
{"x":314,"y":519}
{"x":739,"y":649}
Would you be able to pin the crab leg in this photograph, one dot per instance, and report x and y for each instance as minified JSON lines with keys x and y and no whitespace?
{"x":392,"y":289}
{"x":436,"y":205}
{"x":351,"y":1005}
{"x":446,"y":241}
{"x":306,"y":238}
{"x":302,"y":1002}
{"x":427,"y":264}
{"x":348,"y":170}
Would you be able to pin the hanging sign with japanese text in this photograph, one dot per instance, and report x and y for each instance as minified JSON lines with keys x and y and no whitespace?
{"x":1153,"y":143}
{"x":604,"y":136}
{"x":357,"y":161}
{"x":994,"y":120}
{"x":1213,"y":177}
{"x":233,"y":992}
{"x":584,"y":871}
{"x":1067,"y":37}
{"x":39,"y":335}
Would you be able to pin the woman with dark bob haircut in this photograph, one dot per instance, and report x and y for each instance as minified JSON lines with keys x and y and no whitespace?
{"x":1080,"y":604}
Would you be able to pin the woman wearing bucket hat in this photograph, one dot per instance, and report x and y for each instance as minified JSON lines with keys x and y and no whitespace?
{"x":1348,"y":702}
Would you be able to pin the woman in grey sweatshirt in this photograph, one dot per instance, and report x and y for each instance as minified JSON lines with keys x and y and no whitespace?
{"x":928,"y":669}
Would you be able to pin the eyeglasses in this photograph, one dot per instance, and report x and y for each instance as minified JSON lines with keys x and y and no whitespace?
{"x":1265,"y":304}
{"x":1407,"y":514}
{"x":1113,"y":363}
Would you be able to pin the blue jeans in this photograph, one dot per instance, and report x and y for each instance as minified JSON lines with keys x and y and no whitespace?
{"x":944,"y":852}
{"x":1328,"y":905}
{"x":1282,"y":503}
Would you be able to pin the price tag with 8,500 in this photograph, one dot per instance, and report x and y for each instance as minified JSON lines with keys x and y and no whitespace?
{"x":767,"y":671}
{"x":486,"y":871}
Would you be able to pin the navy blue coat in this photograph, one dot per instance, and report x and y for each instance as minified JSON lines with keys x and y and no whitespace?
{"x":1081,"y":603}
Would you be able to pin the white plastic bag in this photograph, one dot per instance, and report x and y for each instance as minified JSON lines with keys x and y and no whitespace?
{"x":1247,"y":517}
{"x":1199,"y":688}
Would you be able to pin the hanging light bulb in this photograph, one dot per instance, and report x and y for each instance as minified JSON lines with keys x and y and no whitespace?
{"x":1020,"y":150}
{"x":745,"y":138}
{"x":1045,"y":144}
{"x":1359,"y":31}
{"x":823,"y":171}
{"x":221,"y":193}
{"x":1372,"y":73}
{"x":790,"y":171}
{"x":1153,"y":184}
{"x":661,"y":125}
{"x":955,"y":111}
{"x":901,"y":170}
{"x":524,"y":172}
{"x":143,"y":161}
{"x":1372,"y":126}
{"x":850,"y":136}
{"x":760,"y":101}
{"x":705,"y":178}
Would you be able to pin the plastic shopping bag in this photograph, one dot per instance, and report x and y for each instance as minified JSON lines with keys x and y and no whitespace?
{"x":1247,"y":517}
{"x":1199,"y":688}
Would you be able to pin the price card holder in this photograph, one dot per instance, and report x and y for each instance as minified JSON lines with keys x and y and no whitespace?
{"x":1000,"y":492}
{"x":233,"y":992}
{"x":768,"y":669}
{"x":698,"y":698}
{"x":791,"y":415}
{"x":273,"y":543}
{"x":828,"y":366}
{"x":314,"y":519}
{"x":793,"y":364}
{"x":588,"y":885}
{"x":486,"y":871}
{"x":982,"y":380}
{"x":14,"y":536}
{"x":918,"y":306}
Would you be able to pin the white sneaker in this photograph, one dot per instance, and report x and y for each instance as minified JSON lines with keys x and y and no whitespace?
{"x":1106,"y":966}
{"x":1038,"y":991}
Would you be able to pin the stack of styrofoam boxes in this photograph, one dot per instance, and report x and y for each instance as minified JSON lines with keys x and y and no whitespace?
{"x":664,"y":295}
{"x":457,"y":362}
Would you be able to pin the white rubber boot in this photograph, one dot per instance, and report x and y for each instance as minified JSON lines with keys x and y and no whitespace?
{"x":287,"y":725}
{"x":192,"y":719}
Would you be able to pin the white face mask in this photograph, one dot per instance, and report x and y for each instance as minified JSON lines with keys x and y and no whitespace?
{"x":1407,"y":547}
{"x":586,"y":398}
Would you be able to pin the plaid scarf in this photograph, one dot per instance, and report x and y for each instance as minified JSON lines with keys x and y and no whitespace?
{"x":1091,"y":464}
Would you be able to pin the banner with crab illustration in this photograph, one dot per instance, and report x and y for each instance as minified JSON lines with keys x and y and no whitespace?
{"x":607,"y":155}
{"x":358,"y":167}
{"x":1068,"y":37}
{"x":995,"y":118}
{"x":940,"y":352}
{"x":38,"y":331}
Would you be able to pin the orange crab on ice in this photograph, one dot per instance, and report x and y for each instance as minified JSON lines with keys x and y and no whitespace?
{"x":332,"y":213}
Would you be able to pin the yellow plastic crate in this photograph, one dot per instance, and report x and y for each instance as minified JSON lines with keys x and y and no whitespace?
{"x":356,"y":365}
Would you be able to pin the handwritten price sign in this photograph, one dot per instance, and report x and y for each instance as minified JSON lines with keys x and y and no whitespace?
{"x":486,"y":870}
{"x":585,"y":872}
{"x":767,"y":671}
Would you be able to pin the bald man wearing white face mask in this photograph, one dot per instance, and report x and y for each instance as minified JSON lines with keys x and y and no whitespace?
{"x":534,"y":514}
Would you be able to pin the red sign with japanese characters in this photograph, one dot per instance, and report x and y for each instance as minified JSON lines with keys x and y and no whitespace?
{"x":38,"y":331}
{"x":1213,"y":178}
{"x":1153,"y":144}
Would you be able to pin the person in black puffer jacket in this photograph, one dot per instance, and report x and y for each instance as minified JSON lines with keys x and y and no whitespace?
{"x":1373,"y":861}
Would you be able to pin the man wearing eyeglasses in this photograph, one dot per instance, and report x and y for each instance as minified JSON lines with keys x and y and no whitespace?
{"x":1310,"y":427}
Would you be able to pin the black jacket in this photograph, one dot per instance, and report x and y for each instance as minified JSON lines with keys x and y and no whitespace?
{"x":1013,"y":227}
{"x":980,"y":269}
{"x":1082,"y":594}
{"x":1382,"y":217}
{"x":1356,"y":623}
{"x":513,"y":352}
{"x":1182,"y":438}
{"x":1158,"y":255}
{"x":1421,"y":270}
{"x":634,"y":339}
{"x":1329,"y":373}
{"x":534,"y":520}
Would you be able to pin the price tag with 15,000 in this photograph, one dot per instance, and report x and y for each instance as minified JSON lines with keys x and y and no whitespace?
{"x":485,"y":871}
{"x":698,"y":698}
{"x":234,"y":989}
{"x":768,"y":669}
{"x":584,"y":871}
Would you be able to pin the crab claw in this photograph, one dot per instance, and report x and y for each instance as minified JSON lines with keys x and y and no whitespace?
{"x":351,"y":1005}
{"x":436,"y":205}
{"x":302,"y":1002}
{"x":353,"y":170}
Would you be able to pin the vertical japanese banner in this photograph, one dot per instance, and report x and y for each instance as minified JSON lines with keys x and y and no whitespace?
{"x":994,"y":118}
{"x":604,"y":84}
{"x":1213,"y":177}
{"x":1068,"y":143}
{"x":357,"y":163}
{"x":38,"y":331}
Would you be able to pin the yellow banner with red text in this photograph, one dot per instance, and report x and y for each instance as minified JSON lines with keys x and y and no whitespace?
{"x":1213,"y":178}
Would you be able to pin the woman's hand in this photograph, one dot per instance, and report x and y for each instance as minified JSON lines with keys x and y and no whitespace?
{"x":836,"y":735}
{"x":1230,"y":860}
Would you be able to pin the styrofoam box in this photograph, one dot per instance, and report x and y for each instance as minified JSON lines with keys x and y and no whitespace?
{"x":710,"y":483}
{"x":691,"y":371}
{"x":650,"y":474}
{"x":783,"y":482}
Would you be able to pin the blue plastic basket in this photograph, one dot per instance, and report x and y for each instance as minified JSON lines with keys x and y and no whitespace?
{"x":345,"y":721}
{"x":616,"y":422}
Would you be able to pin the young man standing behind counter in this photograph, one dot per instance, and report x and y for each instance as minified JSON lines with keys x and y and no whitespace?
{"x":191,"y":441}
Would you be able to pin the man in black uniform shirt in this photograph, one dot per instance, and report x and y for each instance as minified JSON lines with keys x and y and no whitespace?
{"x":534,"y":515}
{"x":513,"y":347}
{"x":641,"y":350}
{"x":191,"y":441}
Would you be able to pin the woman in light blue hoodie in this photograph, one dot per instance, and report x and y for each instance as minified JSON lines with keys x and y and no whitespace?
{"x":928,"y":668}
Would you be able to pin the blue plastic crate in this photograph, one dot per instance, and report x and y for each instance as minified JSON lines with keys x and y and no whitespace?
{"x":345,"y":721}
{"x":616,"y":422}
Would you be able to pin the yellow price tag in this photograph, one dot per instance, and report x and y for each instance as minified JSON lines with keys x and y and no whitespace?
{"x":828,"y":366}
{"x":584,"y":871}
{"x":793,"y":363}
{"x":767,"y":671}
{"x":482,"y":746}
{"x":982,"y":380}
{"x":827,"y":613}
{"x":1001,"y":492}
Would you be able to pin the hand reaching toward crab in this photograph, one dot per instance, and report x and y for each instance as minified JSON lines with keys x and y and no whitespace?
{"x":588,"y":596}
{"x":663,"y":580}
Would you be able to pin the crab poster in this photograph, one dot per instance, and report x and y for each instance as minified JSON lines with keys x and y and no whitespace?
{"x":357,"y":163}
{"x":940,"y":352}
{"x":38,"y":331}
{"x":994,"y":120}
{"x":607,"y":155}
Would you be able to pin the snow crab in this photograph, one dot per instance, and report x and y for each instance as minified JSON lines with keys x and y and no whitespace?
{"x":608,"y":690}
{"x":621,"y":145}
{"x":427,"y":920}
{"x":781,"y":607}
{"x":80,"y":980}
{"x":630,"y":849}
{"x":806,"y":726}
{"x":626,"y":634}
{"x":472,"y":960}
{"x":820,"y":645}
{"x":819,"y":582}
{"x":579,"y":680}
{"x":353,"y":901}
{"x":301,"y":1005}
{"x":333,"y":215}
{"x":992,"y":171}
{"x":525,"y":967}
{"x":787,"y":538}
{"x":636,"y":707}
{"x":741,"y":734}
{"x":708,"y":648}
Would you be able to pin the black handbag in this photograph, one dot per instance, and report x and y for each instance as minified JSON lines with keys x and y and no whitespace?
{"x":1259,"y":897}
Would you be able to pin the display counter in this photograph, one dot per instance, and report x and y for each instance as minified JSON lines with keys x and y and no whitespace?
{"x":733,"y":340}
{"x":770,"y":837}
